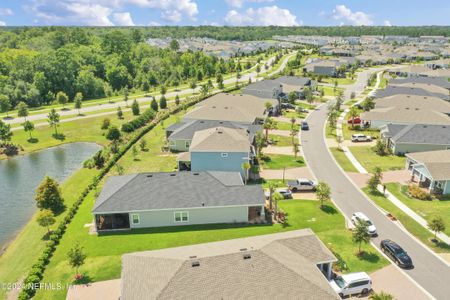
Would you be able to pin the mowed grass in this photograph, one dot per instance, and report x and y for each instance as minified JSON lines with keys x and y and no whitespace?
{"x":279,"y":161}
{"x":426,"y":209}
{"x":409,"y":223}
{"x":282,"y":141}
{"x":287,"y":126}
{"x":342,"y":160}
{"x":82,"y":130}
{"x":23,"y":252}
{"x":104,"y":252}
{"x":369,"y":159}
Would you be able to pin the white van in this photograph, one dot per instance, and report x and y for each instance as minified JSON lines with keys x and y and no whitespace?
{"x":352,"y":284}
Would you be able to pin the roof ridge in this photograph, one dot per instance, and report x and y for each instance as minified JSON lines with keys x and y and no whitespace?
{"x":119,"y":189}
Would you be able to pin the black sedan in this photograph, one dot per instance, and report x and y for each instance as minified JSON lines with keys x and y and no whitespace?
{"x":397,"y":254}
{"x":305,"y":126}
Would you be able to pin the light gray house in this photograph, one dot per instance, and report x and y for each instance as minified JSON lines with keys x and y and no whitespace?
{"x":326,"y":67}
{"x":416,"y":137}
{"x":267,"y":89}
{"x":171,"y":199}
{"x":218,"y":149}
{"x":286,"y":265}
{"x":296,"y":84}
{"x":431,"y":170}
{"x":180,"y":134}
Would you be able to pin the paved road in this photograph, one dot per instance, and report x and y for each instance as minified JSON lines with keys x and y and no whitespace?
{"x":105,"y":106}
{"x":429,"y":272}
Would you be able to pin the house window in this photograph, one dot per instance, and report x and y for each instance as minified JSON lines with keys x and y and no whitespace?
{"x":187,"y":144}
{"x":135,"y":219}
{"x":181,"y":216}
{"x":224,"y":154}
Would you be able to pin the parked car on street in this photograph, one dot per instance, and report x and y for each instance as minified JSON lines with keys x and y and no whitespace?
{"x":359,"y":217}
{"x":361,"y":138}
{"x":352,"y":284}
{"x":355,"y":121}
{"x":397,"y":254}
{"x":285,"y":192}
{"x":302,"y":184}
{"x":305,"y":126}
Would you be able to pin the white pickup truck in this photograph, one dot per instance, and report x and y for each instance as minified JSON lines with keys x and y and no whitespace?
{"x":302,"y":184}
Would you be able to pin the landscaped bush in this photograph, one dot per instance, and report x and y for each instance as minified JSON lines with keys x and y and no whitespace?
{"x":139,"y":122}
{"x":416,"y":192}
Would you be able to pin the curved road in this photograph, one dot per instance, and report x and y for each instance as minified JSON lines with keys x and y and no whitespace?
{"x":430,"y":272}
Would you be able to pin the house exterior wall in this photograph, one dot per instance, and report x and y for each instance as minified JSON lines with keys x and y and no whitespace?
{"x":411,"y":148}
{"x":207,"y":215}
{"x":322,"y":70}
{"x":179,"y":145}
{"x":446,"y":190}
{"x":213,"y":161}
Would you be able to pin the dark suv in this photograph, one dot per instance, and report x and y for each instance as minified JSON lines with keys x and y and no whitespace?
{"x":397,"y":254}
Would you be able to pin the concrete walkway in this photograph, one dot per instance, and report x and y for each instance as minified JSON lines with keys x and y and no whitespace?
{"x":292,"y":173}
{"x":104,"y":290}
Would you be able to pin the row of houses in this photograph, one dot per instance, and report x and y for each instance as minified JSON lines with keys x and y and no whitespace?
{"x":413,"y":115}
{"x":213,"y":142}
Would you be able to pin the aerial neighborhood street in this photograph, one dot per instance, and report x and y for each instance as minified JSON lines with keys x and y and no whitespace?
{"x":259,"y":160}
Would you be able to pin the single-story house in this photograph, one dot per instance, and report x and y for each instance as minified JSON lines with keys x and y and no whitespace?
{"x":326,"y":67}
{"x":178,"y":198}
{"x":416,"y":137}
{"x":295,"y":84}
{"x":286,"y":265}
{"x":218,"y":149}
{"x":180,"y":134}
{"x":408,"y":109}
{"x":421,"y":81}
{"x":419,"y":71}
{"x":267,"y":89}
{"x":244,"y":109}
{"x":431,"y":170}
{"x":419,"y":90}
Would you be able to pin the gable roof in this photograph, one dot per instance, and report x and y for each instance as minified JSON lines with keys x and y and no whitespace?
{"x":155,"y":191}
{"x":429,"y":91}
{"x":294,"y":80}
{"x":263,"y":85}
{"x":186,"y":130}
{"x":220,"y":139}
{"x":423,"y":134}
{"x":223,"y":273}
{"x":436,"y":162}
{"x":442,"y":82}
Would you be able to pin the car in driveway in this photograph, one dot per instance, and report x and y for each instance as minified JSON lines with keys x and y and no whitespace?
{"x":396,"y":253}
{"x":302,"y":184}
{"x":305,"y":125}
{"x":352,"y":284}
{"x":355,"y":121}
{"x":285,"y":192}
{"x":361,"y":138}
{"x":359,"y":217}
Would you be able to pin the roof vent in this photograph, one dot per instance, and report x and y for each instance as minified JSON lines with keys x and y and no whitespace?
{"x":214,"y":107}
{"x":173,"y":174}
{"x":150,"y":175}
{"x":247,"y":256}
{"x":226,"y":107}
{"x":243,"y":249}
{"x":195,"y":264}
{"x":193,"y":256}
{"x":195,"y":173}
{"x":202,"y":122}
{"x":203,"y":203}
{"x":425,"y":97}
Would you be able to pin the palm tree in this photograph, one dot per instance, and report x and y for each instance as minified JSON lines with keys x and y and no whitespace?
{"x":272,"y":187}
{"x":246,"y":167}
{"x":296,"y":148}
{"x":353,"y":113}
{"x":275,"y":198}
{"x":269,"y":124}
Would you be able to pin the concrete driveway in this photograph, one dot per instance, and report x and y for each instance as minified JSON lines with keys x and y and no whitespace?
{"x":102,"y":290}
{"x":288,"y":150}
{"x":292,"y":173}
{"x":399,"y":176}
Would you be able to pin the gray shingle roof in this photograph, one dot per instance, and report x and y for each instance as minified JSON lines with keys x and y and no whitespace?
{"x":436,"y":162}
{"x":395,"y":90}
{"x":390,"y":130}
{"x":294,"y":80}
{"x":423,"y":134}
{"x":153,"y":191}
{"x":186,"y":131}
{"x":425,"y":80}
{"x":277,"y":269}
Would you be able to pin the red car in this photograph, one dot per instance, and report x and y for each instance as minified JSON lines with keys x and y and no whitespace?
{"x":357,"y":120}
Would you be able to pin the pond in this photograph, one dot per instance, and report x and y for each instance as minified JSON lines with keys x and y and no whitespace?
{"x":20,"y":176}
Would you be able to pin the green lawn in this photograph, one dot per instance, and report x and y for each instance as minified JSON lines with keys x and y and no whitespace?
{"x":293,"y":114}
{"x":341,"y":81}
{"x":342,"y":160}
{"x":279,"y":161}
{"x":330,"y":133}
{"x":412,"y":226}
{"x":329,"y":91}
{"x":369,"y":159}
{"x":22,"y":253}
{"x":347,"y":130}
{"x":426,"y":209}
{"x":287,"y":126}
{"x":104,"y":252}
{"x":281,"y":141}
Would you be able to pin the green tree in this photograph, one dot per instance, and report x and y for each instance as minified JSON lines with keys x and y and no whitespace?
{"x":323,"y":193}
{"x":276,"y":197}
{"x":269,"y":124}
{"x":143,"y":144}
{"x":163,"y":102}
{"x":5,"y":105}
{"x":193,"y":85}
{"x":436,"y":224}
{"x":5,"y":132}
{"x":246,"y":167}
{"x":125,"y":95}
{"x":296,"y":149}
{"x":260,"y":143}
{"x":292,"y":96}
{"x":174,"y":45}
{"x":272,"y":188}
{"x":46,"y":218}
{"x":105,"y":123}
{"x":119,"y":113}
{"x":134,"y":152}
{"x":375,"y":179}
{"x":53,"y":120}
{"x":22,"y":110}
{"x":28,"y":127}
{"x":135,"y":108}
{"x":48,"y":195}
{"x":361,"y":234}
{"x":154,"y":104}
{"x":76,"y":257}
{"x":99,"y":160}
{"x":78,"y":101}
{"x":62,"y":98}
{"x":353,"y":113}
{"x":113,"y":134}
{"x":177,"y":100}
{"x":163,"y":90}
{"x":108,"y":91}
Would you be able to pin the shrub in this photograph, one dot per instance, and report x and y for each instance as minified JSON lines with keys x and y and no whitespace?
{"x":105,"y":123}
{"x":416,"y":192}
{"x":139,"y":122}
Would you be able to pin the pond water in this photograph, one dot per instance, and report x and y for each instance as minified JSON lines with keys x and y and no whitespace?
{"x":20,"y":176}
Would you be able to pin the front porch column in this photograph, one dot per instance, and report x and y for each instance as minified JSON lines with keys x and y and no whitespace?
{"x":263,"y":215}
{"x":330,"y":268}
